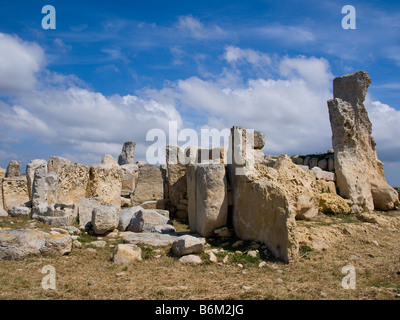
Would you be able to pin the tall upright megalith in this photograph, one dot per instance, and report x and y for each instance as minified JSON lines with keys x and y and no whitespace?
{"x":127,"y":153}
{"x":359,"y":172}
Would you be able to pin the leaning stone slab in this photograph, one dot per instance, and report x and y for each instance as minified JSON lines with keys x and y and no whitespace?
{"x":19,"y":244}
{"x":127,"y":153}
{"x":127,"y":253}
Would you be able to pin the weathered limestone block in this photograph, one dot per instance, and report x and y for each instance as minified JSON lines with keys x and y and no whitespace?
{"x":105,"y":182}
{"x":263,"y":214}
{"x":130,"y":174}
{"x":187,"y":245}
{"x":127,"y":253}
{"x":127,"y":153}
{"x":74,"y":178}
{"x":19,"y":244}
{"x":2,"y":173}
{"x":330,"y":203}
{"x":55,"y":214}
{"x":323,"y":164}
{"x":191,"y":177}
{"x":85,"y":209}
{"x":313,"y":163}
{"x":259,"y":140}
{"x":131,"y":216}
{"x":211,"y":198}
{"x":261,"y":208}
{"x":30,"y":173}
{"x":176,"y":174}
{"x":359,"y":173}
{"x":13,"y":169}
{"x":300,"y":187}
{"x":326,"y":186}
{"x":19,"y":211}
{"x":15,"y":191}
{"x":45,"y":186}
{"x":323,"y":175}
{"x":105,"y":219}
{"x":150,"y":185}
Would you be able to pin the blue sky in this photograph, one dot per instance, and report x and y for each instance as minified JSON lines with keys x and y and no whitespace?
{"x":111,"y":71}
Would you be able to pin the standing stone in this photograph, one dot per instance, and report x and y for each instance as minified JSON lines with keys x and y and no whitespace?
{"x":127,"y":154}
{"x":359,"y":173}
{"x":20,"y":244}
{"x":15,"y":191}
{"x":55,"y":214}
{"x":331,"y":164}
{"x":150,"y":185}
{"x":313,"y":163}
{"x":176,"y":167}
{"x":13,"y":169}
{"x":30,"y":172}
{"x":211,"y":198}
{"x":105,"y":182}
{"x":105,"y":219}
{"x":45,"y":186}
{"x":191,"y":177}
{"x":323,"y":164}
{"x":85,"y":209}
{"x":2,"y":173}
{"x":74,"y":178}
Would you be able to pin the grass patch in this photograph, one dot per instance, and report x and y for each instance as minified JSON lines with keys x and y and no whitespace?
{"x":305,"y":251}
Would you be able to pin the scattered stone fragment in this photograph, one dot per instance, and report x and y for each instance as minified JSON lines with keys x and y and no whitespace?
{"x":98,"y":244}
{"x":187,"y":245}
{"x":127,"y":253}
{"x":252,"y":253}
{"x":191,"y":258}
{"x":213,"y":257}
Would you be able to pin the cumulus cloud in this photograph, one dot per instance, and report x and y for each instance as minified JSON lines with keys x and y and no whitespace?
{"x":19,"y":62}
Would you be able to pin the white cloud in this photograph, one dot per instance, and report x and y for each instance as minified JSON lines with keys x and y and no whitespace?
{"x":193,"y":27}
{"x":19,"y":61}
{"x":289,"y":34}
{"x":235,"y":55}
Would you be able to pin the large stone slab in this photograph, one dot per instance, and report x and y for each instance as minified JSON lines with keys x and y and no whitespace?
{"x":85,"y":209}
{"x":105,"y":219}
{"x":13,"y":169}
{"x":45,"y":186}
{"x":74,"y":178}
{"x":19,"y":244}
{"x":150,"y":185}
{"x":15,"y":191}
{"x":359,"y":173}
{"x":105,"y":182}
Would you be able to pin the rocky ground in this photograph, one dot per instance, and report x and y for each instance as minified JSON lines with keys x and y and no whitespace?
{"x":327,"y":244}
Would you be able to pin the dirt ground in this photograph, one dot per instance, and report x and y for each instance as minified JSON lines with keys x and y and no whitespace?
{"x":327,"y":244}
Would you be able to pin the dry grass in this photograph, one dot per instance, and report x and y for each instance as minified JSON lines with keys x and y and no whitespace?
{"x":317,"y":275}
